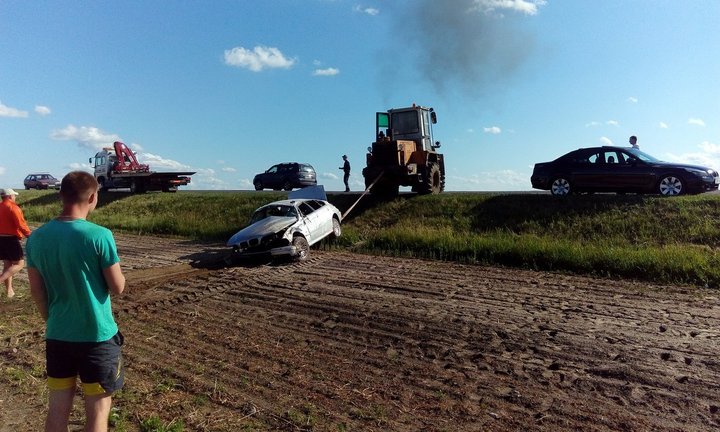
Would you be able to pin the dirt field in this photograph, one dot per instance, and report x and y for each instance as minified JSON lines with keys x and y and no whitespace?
{"x":349,"y":342}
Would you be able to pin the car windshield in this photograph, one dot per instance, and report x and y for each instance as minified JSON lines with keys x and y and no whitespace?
{"x":273,"y":210}
{"x":642,"y":155}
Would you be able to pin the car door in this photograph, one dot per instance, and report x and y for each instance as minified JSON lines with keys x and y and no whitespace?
{"x":270,"y":177}
{"x":324,"y":215}
{"x":637,"y":175}
{"x":586,"y":168}
{"x":312,"y":220}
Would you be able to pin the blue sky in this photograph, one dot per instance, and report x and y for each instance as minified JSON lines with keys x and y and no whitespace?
{"x":228,"y":88}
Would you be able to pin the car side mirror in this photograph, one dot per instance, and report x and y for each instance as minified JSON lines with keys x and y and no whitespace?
{"x":436,"y":145}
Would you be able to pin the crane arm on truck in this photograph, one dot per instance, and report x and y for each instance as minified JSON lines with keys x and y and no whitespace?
{"x":126,"y":160}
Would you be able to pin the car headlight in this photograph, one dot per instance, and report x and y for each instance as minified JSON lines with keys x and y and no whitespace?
{"x":704,"y":174}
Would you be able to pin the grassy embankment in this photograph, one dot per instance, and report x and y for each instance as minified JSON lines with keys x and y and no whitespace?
{"x":668,"y":240}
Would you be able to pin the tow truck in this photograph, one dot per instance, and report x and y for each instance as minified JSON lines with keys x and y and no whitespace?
{"x":117,"y":167}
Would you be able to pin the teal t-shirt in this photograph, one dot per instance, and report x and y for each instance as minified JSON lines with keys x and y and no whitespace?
{"x":70,"y":256}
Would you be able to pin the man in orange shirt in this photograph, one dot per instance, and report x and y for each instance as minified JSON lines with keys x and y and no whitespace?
{"x":12,"y":228}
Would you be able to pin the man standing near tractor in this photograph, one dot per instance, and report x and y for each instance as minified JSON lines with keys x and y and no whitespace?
{"x":346,"y":170}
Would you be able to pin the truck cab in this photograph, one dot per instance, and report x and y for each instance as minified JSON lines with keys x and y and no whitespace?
{"x":412,"y":124}
{"x":102,"y":162}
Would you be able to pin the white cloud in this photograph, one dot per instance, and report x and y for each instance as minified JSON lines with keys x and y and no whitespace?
{"x":366,"y":10}
{"x":528,"y":7}
{"x":329,"y":176}
{"x":228,"y":169}
{"x":696,"y":122}
{"x":261,"y":57}
{"x":86,"y":136}
{"x":606,"y":141}
{"x":326,"y":72}
{"x":709,"y":147}
{"x":2,"y":170}
{"x":663,"y":125}
{"x":470,"y":130}
{"x":159,"y":163}
{"x":612,"y":123}
{"x":6,"y":111}
{"x":709,"y":156}
{"x":632,"y":99}
{"x":492,"y":130}
{"x":592,"y":124}
{"x":75,"y":166}
{"x":246,"y":184}
{"x":42,"y":110}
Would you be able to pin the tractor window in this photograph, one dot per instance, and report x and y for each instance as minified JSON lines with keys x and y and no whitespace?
{"x":405,"y":122}
{"x":383,"y":120}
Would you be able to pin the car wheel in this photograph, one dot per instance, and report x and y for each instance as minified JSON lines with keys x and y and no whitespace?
{"x":337,"y":229}
{"x":287,"y":185}
{"x":258,"y":185}
{"x":671,"y":185}
{"x":303,"y":248}
{"x":560,"y":187}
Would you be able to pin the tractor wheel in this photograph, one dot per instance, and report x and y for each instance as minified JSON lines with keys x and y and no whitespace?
{"x":435,"y":178}
{"x":434,"y":181}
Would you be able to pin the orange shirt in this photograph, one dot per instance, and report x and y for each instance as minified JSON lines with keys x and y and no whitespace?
{"x":12,"y":221}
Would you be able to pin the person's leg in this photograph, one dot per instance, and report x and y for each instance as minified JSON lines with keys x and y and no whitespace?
{"x":61,"y":402}
{"x":9,"y":270}
{"x":97,"y":412}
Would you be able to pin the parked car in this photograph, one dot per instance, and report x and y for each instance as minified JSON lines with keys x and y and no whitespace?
{"x":620,"y":169}
{"x":41,"y":181}
{"x":286,"y":176}
{"x":287,"y":228}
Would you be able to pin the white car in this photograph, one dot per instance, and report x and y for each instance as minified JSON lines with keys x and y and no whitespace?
{"x":287,"y":228}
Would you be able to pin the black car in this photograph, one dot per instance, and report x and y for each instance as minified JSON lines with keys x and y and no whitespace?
{"x":620,"y":169}
{"x":286,"y":176}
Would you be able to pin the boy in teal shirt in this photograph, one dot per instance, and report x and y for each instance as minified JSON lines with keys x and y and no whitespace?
{"x":73,"y":268}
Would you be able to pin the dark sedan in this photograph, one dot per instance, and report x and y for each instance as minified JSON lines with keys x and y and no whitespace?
{"x":620,"y":169}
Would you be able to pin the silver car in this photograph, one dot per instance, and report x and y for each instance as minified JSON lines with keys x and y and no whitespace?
{"x":287,"y":228}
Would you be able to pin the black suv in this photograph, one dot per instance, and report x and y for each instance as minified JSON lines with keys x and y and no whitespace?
{"x":286,"y":176}
{"x":41,"y":181}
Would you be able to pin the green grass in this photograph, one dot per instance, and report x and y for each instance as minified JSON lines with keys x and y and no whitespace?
{"x":666,"y":240}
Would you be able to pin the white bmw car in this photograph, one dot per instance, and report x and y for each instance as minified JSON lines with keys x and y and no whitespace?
{"x":287,"y":228}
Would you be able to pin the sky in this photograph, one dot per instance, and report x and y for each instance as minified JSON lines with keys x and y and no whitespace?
{"x":228,"y":88}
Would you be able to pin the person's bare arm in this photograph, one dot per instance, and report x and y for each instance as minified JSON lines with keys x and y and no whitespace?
{"x":114,"y":278}
{"x":38,"y":292}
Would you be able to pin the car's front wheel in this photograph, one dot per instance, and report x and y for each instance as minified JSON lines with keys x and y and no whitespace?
{"x":302,"y":247}
{"x":258,"y":185}
{"x":287,"y":185}
{"x":671,"y":185}
{"x":337,"y":229}
{"x":560,"y":187}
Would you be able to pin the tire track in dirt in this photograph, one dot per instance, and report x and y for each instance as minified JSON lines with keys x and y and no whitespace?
{"x":393,"y":344}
